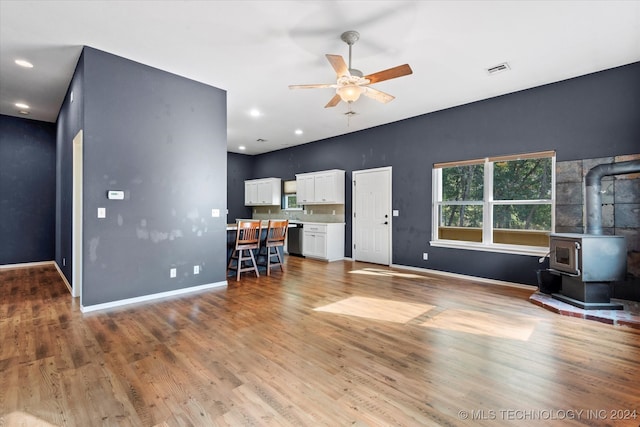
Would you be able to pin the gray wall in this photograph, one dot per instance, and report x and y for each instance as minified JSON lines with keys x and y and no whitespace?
{"x":596,"y":115}
{"x":27,"y":190}
{"x":161,"y":139}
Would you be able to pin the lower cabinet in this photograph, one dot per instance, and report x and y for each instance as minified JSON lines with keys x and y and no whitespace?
{"x":323,"y":241}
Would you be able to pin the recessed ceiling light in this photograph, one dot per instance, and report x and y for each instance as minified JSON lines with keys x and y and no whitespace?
{"x":23,"y":63}
{"x":23,"y":112}
{"x":21,"y":105}
{"x":299,"y":132}
{"x":255,"y":113}
{"x":242,"y":147}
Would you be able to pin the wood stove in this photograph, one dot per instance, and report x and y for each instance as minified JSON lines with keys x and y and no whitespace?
{"x":588,"y":263}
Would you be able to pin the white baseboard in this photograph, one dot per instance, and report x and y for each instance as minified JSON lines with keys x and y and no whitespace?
{"x":64,"y":279}
{"x":465,"y":277}
{"x":26,"y":265}
{"x":146,"y":298}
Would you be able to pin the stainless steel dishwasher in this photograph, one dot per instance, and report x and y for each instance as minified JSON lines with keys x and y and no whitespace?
{"x":294,"y":240}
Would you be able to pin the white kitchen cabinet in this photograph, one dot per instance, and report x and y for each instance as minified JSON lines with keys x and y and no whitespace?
{"x":323,"y":241}
{"x":266,"y":191}
{"x":325,"y":187}
{"x":305,"y":189}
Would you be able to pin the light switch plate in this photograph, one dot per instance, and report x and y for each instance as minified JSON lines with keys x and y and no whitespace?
{"x":172,"y":273}
{"x":102,"y":212}
{"x":396,"y":212}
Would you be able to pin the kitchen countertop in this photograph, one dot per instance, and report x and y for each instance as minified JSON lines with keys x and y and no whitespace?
{"x":264,"y":224}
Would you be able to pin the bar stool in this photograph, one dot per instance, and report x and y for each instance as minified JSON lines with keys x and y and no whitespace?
{"x":275,"y":238}
{"x":247,"y":239}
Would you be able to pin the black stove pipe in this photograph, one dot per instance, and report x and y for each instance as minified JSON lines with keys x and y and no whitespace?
{"x":593,"y":183}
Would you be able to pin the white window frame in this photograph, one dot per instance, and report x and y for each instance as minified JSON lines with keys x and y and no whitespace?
{"x":285,"y":203}
{"x":488,"y":203}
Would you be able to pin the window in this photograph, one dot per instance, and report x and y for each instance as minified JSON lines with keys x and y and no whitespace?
{"x":290,"y":199}
{"x":290,"y":202}
{"x":502,"y":204}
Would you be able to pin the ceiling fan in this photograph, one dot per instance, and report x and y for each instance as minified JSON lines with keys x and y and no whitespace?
{"x":351,"y":83}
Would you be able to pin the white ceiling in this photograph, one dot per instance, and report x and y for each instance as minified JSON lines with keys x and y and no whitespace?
{"x":255,"y":49}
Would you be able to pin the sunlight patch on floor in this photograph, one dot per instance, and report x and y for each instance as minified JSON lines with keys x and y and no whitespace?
{"x":378,"y":309}
{"x":479,"y":323}
{"x":23,"y":419}
{"x":381,"y":272}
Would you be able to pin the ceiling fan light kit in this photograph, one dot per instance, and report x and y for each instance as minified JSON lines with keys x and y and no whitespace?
{"x":351,"y":83}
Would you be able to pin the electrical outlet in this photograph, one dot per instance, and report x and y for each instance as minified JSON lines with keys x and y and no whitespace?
{"x":425,"y":256}
{"x":173,"y":273}
{"x":215,"y":213}
{"x":102,"y":212}
{"x":196,"y":269}
{"x":334,"y":212}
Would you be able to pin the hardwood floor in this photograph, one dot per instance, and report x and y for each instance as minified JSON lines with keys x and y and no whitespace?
{"x":331,"y":344}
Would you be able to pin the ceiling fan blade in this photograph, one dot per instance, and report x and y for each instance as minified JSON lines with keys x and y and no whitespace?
{"x":378,"y":95}
{"x":334,"y":101}
{"x":338,"y":64}
{"x":391,"y":73}
{"x":322,"y":85}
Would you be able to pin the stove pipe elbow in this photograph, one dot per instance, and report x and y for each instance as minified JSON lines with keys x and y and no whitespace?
{"x":593,"y":183}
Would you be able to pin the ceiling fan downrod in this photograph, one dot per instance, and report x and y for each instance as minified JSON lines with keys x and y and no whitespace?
{"x":350,"y":37}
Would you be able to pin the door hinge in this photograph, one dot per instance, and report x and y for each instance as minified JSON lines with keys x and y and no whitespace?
{"x":354,"y":183}
{"x":354,"y":246}
{"x":354,"y":214}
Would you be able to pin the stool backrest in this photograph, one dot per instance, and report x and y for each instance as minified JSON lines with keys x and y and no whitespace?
{"x":248,"y":234}
{"x":277,"y":232}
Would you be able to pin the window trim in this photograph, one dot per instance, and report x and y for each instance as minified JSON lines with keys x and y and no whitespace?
{"x":285,"y":203}
{"x":488,"y":203}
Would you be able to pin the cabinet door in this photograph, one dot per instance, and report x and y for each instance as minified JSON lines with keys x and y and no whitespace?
{"x":330,"y":187}
{"x":314,"y":244}
{"x":250,"y":193}
{"x":321,"y":245}
{"x":308,"y":244}
{"x":325,"y":184}
{"x":305,"y":189}
{"x":265,"y":193}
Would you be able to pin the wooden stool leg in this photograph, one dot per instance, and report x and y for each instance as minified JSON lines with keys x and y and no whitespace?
{"x":255,"y":264}
{"x":279,"y":259}
{"x":269,"y":261}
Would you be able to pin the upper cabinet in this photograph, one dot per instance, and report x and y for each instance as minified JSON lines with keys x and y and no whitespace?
{"x":325,"y":187}
{"x":266,"y":191}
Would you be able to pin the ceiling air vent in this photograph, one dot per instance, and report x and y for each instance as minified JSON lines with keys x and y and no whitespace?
{"x":498,"y":68}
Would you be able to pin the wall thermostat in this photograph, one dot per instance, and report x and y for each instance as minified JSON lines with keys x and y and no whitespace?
{"x":115,"y":195}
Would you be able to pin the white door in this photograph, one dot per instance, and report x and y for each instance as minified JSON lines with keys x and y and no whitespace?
{"x":372,"y":215}
{"x":76,"y":239}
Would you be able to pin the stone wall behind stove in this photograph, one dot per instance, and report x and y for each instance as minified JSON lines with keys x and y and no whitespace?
{"x":620,"y":203}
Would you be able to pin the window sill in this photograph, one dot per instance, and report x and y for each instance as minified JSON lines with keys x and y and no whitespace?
{"x":538,"y":251}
